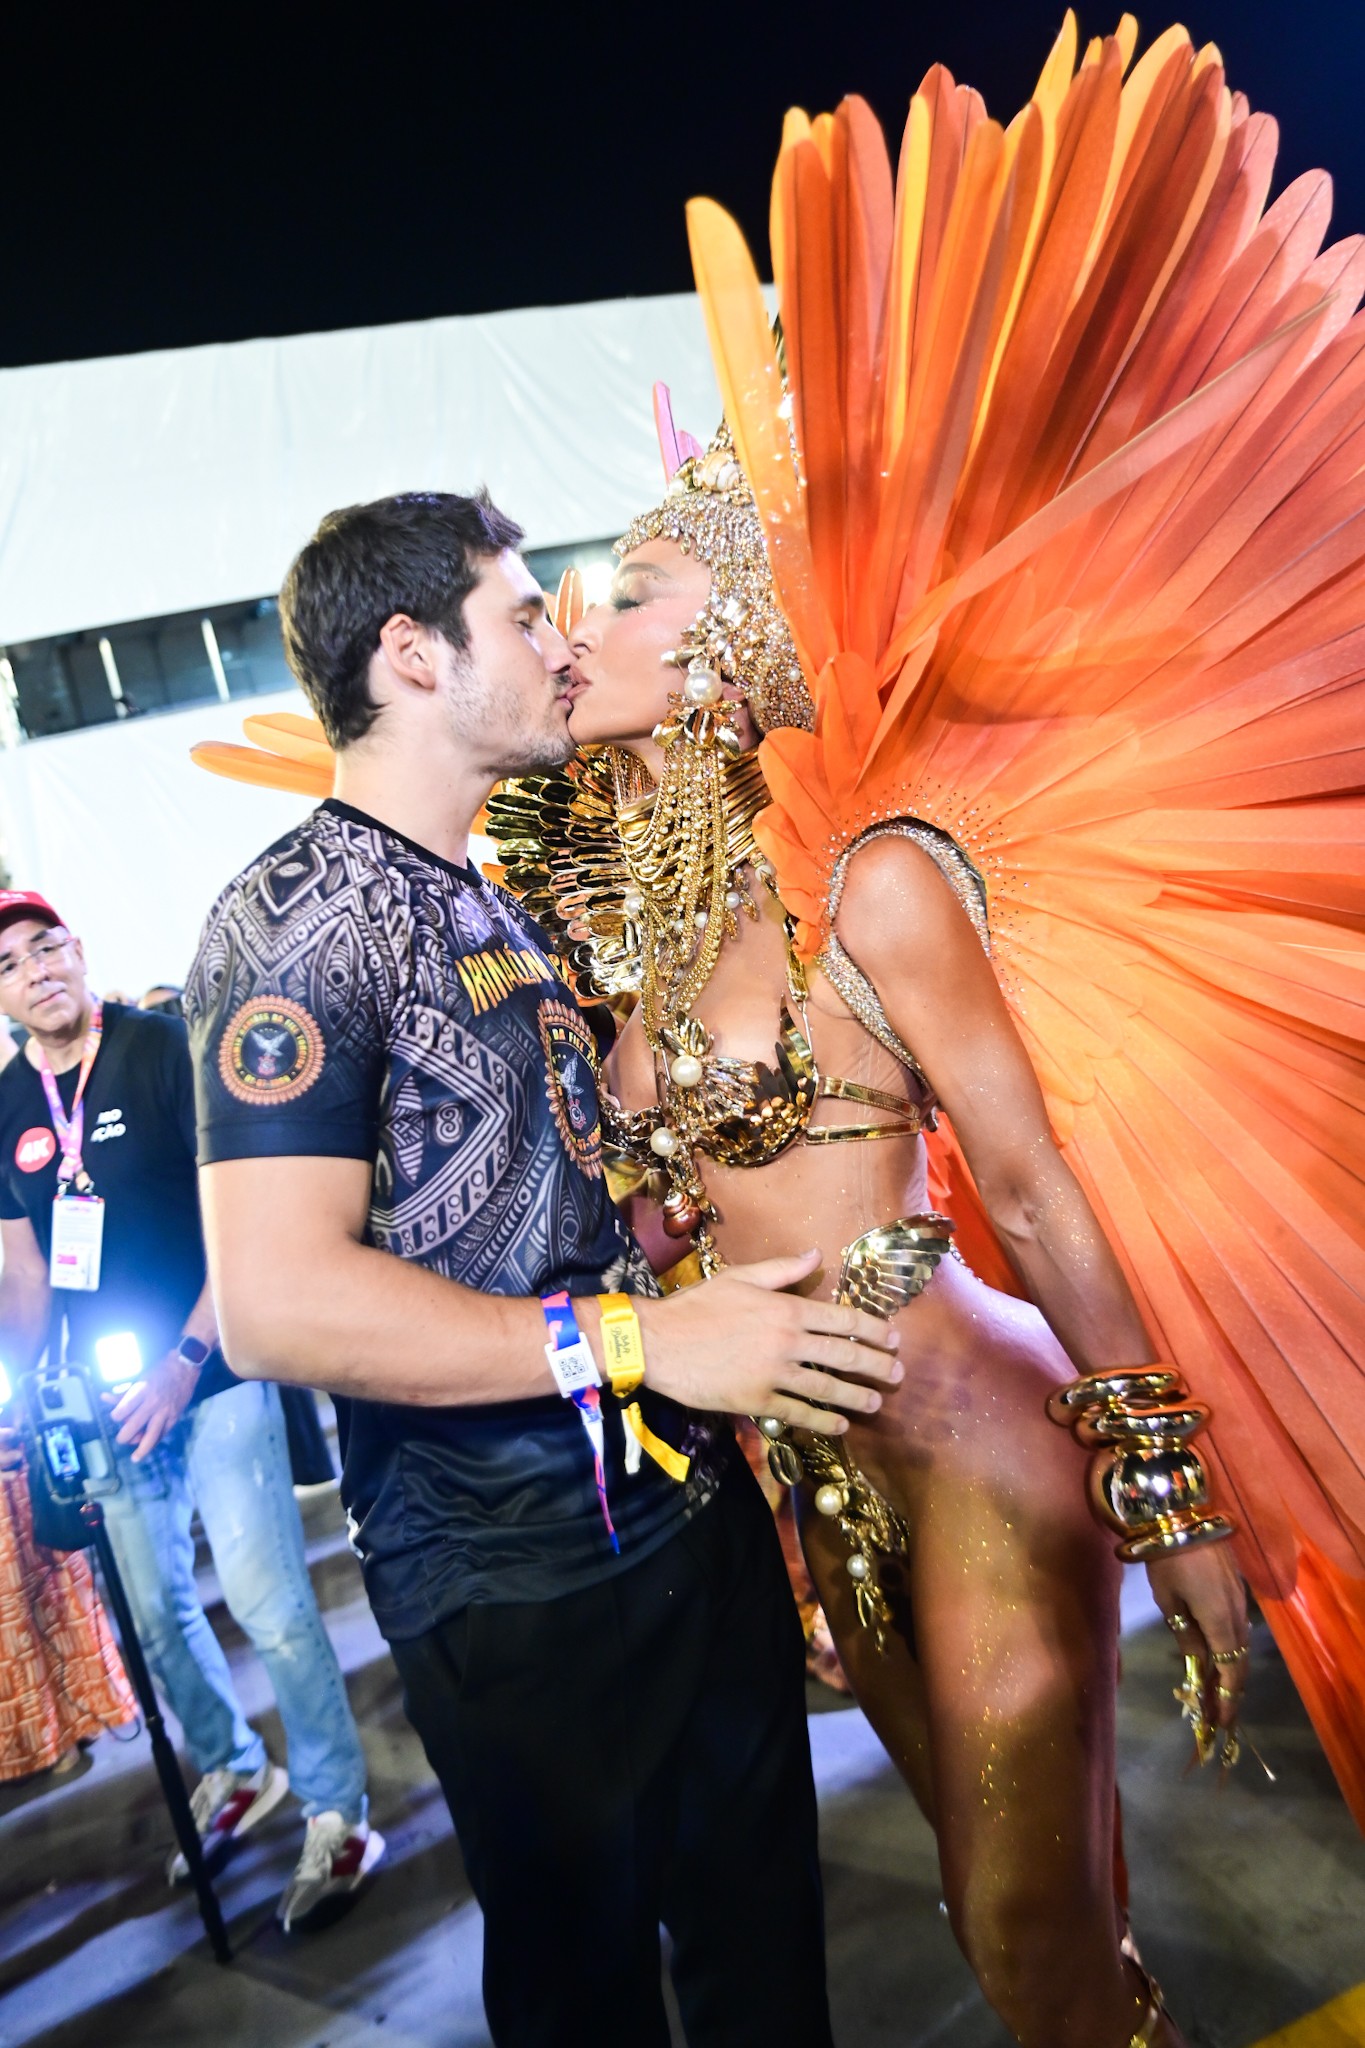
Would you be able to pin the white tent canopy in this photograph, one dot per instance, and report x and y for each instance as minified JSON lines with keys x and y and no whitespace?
{"x":133,"y":486}
{"x":129,"y":841}
{"x":136,"y":486}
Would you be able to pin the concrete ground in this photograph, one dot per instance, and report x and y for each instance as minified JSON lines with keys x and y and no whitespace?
{"x":1249,"y":1898}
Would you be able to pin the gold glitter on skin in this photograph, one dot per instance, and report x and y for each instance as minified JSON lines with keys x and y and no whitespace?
{"x":1001,"y":1720}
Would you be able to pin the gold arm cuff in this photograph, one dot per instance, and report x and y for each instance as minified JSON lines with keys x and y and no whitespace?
{"x":1147,"y":1479}
{"x":1175,"y":1532}
{"x":1115,"y":1392}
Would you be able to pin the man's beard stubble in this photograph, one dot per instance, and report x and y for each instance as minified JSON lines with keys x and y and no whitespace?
{"x":478,"y":722}
{"x":542,"y":751}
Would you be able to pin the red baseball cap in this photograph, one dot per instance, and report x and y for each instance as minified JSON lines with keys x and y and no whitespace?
{"x":17,"y":903}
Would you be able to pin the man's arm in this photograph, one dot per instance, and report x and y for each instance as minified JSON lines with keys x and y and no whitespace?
{"x":23,"y":1317}
{"x":25,"y":1296}
{"x":24,"y":1300}
{"x":156,"y":1403}
{"x":150,"y":1408}
{"x":302,"y":1298}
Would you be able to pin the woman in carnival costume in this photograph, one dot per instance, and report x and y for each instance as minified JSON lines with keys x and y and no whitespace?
{"x":1036,"y":549}
{"x":1036,"y":554}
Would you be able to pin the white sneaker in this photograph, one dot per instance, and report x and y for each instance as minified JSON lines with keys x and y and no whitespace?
{"x":337,"y":1854}
{"x":226,"y":1804}
{"x":313,"y":1489}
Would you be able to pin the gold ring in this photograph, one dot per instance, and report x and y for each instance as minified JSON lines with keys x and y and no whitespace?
{"x":1230,"y":1656}
{"x":1225,"y":1692}
{"x":1178,"y":1623}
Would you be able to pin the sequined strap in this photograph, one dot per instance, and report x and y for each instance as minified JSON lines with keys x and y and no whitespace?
{"x":845,"y":974}
{"x":866,"y":1005}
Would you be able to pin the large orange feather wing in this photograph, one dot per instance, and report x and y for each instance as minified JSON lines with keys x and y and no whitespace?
{"x":1066,"y":512}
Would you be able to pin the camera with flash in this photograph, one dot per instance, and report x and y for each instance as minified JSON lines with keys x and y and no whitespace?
{"x":66,"y":1420}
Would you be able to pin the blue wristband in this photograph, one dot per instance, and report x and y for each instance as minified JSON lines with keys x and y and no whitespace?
{"x":569,"y":1357}
{"x":568,"y":1354}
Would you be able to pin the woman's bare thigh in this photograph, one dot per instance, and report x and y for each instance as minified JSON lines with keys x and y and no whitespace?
{"x":1003,"y":1718}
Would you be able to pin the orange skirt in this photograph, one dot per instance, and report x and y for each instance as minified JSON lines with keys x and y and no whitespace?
{"x":61,"y":1677}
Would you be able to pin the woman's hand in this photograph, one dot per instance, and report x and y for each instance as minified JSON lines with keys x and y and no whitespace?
{"x":1204,"y":1600}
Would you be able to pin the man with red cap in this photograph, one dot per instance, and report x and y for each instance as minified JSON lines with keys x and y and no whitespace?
{"x":99,"y":1211}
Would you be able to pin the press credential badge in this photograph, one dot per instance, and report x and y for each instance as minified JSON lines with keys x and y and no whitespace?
{"x":77,"y":1213}
{"x":77,"y":1241}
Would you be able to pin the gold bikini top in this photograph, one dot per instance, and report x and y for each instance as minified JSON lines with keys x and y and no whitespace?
{"x":745,"y":1113}
{"x":558,"y":835}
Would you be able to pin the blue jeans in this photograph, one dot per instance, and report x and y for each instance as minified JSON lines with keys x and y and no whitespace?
{"x":228,"y":1457}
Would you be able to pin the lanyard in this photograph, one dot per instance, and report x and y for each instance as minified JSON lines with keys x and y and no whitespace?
{"x":71,"y":1129}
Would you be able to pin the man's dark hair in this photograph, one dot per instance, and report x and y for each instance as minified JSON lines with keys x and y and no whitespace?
{"x":418,"y":553}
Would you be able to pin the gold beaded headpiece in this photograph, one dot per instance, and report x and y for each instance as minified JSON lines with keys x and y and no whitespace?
{"x":709,"y":511}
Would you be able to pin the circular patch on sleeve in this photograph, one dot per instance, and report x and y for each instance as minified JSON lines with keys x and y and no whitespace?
{"x":34,"y":1149}
{"x":571,"y":1084}
{"x":271,"y":1051}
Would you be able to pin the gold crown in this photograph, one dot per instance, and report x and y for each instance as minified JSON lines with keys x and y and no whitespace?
{"x":709,"y":511}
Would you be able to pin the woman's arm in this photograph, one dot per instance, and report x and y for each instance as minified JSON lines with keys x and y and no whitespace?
{"x":904,"y":927}
{"x":25,"y":1296}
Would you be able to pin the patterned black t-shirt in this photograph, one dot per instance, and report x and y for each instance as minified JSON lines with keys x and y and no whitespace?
{"x":355,"y":996}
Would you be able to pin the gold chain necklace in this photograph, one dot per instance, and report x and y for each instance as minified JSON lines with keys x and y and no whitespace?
{"x":686,"y":844}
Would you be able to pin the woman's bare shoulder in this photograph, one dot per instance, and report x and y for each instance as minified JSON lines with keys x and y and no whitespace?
{"x":892,"y":888}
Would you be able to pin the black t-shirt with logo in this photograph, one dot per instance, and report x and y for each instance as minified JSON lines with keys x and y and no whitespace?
{"x":357,"y":997}
{"x":139,"y":1152}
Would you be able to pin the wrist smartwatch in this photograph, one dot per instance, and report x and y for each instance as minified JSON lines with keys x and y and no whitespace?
{"x":192,"y":1351}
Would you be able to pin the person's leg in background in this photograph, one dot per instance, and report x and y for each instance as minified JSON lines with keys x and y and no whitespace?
{"x":148,"y":1520}
{"x":61,"y":1680}
{"x":239,"y":1471}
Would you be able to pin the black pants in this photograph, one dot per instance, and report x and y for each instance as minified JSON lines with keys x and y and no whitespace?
{"x":310,"y":1459}
{"x":633,"y":1754}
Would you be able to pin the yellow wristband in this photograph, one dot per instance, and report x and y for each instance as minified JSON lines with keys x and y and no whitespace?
{"x":674,"y":1463}
{"x":623,"y":1351}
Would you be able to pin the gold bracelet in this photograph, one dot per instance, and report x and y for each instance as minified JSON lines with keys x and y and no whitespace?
{"x":623,"y":1350}
{"x":1147,"y":1480}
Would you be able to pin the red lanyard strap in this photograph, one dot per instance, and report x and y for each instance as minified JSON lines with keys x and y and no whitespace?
{"x":71,"y":1129}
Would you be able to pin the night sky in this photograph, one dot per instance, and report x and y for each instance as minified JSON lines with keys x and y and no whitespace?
{"x":240,"y":171}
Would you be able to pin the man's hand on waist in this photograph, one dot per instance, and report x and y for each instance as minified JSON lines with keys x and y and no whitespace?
{"x":743,"y":1346}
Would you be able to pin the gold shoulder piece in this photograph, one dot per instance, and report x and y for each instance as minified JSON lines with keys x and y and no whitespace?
{"x":557,"y":838}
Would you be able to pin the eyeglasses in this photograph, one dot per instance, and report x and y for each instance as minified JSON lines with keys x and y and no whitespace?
{"x":45,"y":950}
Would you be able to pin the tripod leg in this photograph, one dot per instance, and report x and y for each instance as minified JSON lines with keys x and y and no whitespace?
{"x":163,"y":1755}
